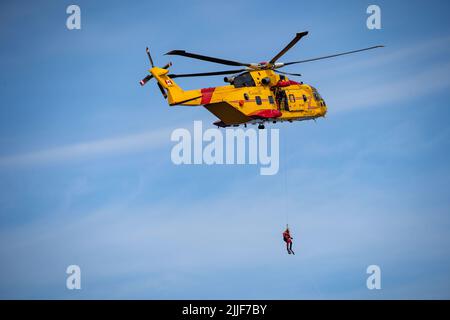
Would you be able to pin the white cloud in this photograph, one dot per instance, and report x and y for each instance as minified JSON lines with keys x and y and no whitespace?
{"x":389,"y":76}
{"x":167,"y":244}
{"x":118,"y":145}
{"x":392,"y":55}
{"x":402,"y":89}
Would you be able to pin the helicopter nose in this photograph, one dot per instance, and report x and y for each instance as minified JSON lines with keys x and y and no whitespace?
{"x":324,"y":107}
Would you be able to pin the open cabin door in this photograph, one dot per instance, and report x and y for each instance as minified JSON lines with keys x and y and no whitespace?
{"x":281,"y":99}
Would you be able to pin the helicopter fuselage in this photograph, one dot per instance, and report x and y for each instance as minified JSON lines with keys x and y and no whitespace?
{"x":257,"y":92}
{"x":255,"y":96}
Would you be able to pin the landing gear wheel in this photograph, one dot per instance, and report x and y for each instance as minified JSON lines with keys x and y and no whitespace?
{"x":261,"y":126}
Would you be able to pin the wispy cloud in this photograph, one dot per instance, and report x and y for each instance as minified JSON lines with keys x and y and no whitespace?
{"x":394,"y":74}
{"x":163,"y":244}
{"x":402,"y":89}
{"x":392,"y":55}
{"x":84,"y":150}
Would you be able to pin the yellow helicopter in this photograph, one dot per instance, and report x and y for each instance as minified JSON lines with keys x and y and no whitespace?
{"x":256,"y":94}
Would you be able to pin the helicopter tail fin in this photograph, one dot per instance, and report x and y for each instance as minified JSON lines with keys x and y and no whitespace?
{"x":175,"y":94}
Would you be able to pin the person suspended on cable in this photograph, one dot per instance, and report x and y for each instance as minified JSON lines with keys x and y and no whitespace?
{"x":288,"y":239}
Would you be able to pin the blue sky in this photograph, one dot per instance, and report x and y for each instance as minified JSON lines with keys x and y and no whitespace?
{"x":86,"y":176}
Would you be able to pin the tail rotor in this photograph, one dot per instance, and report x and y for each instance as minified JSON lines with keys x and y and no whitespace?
{"x":149,"y":77}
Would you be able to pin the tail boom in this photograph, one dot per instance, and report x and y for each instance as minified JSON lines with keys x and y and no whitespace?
{"x":176,"y":95}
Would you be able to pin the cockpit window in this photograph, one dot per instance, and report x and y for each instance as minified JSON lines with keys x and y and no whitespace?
{"x":316,"y":94}
{"x":244,"y":80}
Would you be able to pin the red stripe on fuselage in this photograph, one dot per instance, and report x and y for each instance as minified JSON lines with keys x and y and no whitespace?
{"x":207,"y":95}
{"x":266,"y":114}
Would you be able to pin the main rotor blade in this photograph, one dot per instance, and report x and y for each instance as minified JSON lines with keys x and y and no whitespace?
{"x":289,"y":74}
{"x":298,"y":36}
{"x":149,"y":57}
{"x":331,"y":56}
{"x":205,"y":74}
{"x":206,"y":58}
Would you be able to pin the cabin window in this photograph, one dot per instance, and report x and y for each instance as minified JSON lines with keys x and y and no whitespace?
{"x":304,"y":98}
{"x":258,"y":100}
{"x":271,"y":101}
{"x":291,"y":98}
{"x":246,"y":97}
